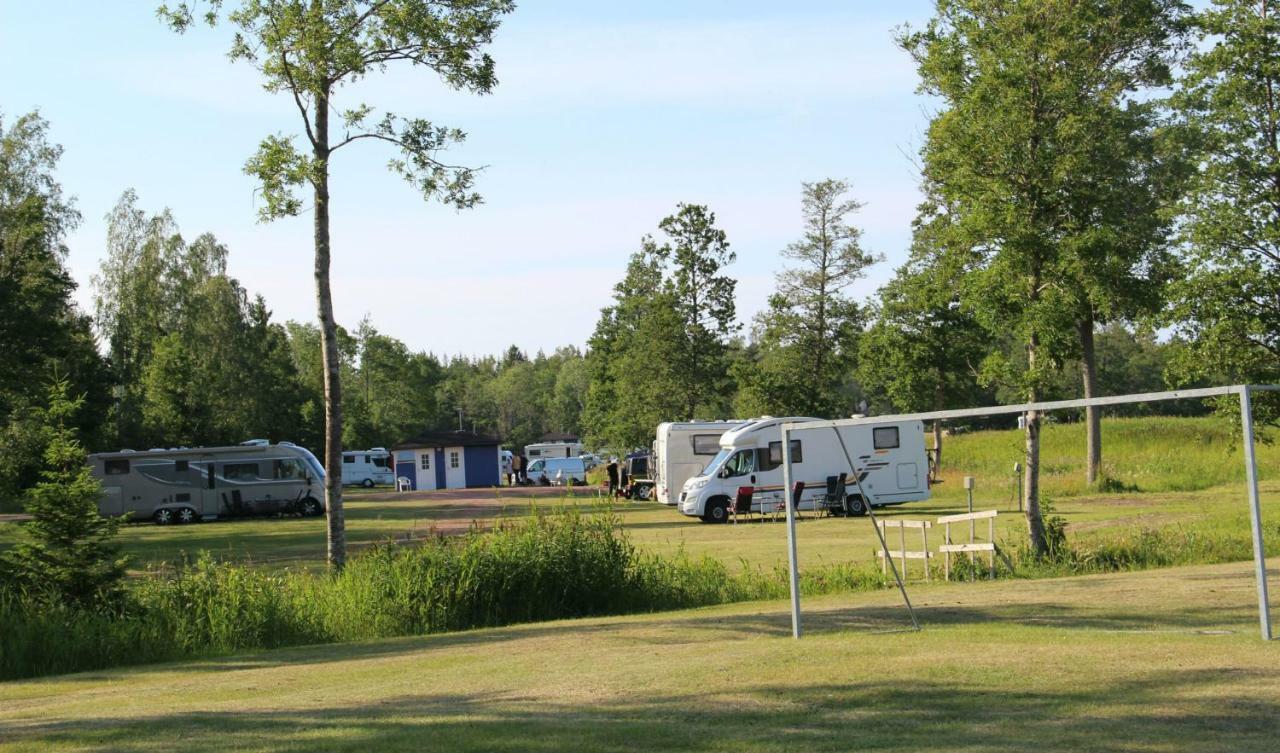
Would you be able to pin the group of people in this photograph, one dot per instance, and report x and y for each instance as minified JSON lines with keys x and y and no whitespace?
{"x":617,"y":473}
{"x":518,"y":470}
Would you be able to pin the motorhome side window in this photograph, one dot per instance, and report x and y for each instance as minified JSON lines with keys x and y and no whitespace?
{"x":348,"y":458}
{"x":885,"y":437}
{"x":706,"y":444}
{"x":775,"y":452}
{"x":115,"y":467}
{"x":240,"y":471}
{"x":288,"y":468}
{"x":380,"y":461}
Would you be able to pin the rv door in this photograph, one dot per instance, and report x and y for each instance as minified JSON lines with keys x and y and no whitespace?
{"x":112,"y":501}
{"x":208,"y":496}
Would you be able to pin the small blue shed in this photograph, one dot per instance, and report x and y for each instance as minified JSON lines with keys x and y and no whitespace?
{"x":449,"y":460}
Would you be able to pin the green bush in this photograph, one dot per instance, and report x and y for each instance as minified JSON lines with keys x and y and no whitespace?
{"x":546,"y":567}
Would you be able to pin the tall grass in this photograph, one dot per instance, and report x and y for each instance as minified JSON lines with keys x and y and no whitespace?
{"x":545,"y":567}
{"x":1147,"y":454}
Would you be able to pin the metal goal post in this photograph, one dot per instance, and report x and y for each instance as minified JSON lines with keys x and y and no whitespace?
{"x":1244,"y":391}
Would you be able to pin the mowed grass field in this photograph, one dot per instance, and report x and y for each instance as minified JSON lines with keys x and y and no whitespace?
{"x":1164,"y":660}
{"x":1163,"y":471}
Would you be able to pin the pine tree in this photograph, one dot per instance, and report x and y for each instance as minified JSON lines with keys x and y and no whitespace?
{"x":68,"y":555}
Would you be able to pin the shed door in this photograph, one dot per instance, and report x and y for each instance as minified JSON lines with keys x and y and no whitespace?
{"x":425,"y":465}
{"x":455,"y":470}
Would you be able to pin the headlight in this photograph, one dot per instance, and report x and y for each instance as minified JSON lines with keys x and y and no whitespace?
{"x":696,"y":483}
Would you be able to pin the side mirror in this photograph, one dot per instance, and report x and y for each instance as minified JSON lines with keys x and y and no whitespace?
{"x":724,"y":473}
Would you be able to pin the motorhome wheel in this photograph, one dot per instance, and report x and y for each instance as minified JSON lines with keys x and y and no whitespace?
{"x":855,"y":506}
{"x":311,"y":507}
{"x":644,"y":493}
{"x":163,"y":517}
{"x":717,"y":510}
{"x":367,"y":483}
{"x":186,"y":515}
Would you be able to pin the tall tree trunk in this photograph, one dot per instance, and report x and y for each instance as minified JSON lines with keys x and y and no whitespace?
{"x":937,"y":447}
{"x":1092,"y":415}
{"x":938,"y":402}
{"x":1035,"y":522}
{"x":337,"y":537}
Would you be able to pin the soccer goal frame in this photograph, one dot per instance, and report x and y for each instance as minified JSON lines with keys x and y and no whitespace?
{"x":1244,"y":391}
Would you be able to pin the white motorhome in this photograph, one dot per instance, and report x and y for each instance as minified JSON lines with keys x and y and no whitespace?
{"x":553,"y":450}
{"x":368,"y":468}
{"x":202,"y":483}
{"x":890,"y":460}
{"x":681,"y":450}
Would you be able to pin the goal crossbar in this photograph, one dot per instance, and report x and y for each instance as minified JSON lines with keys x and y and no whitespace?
{"x":1243,"y":391}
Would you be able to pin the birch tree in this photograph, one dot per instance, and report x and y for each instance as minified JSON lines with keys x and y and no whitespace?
{"x":312,"y":51}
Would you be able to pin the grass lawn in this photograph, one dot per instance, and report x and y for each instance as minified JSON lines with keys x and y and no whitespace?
{"x":1155,"y":661}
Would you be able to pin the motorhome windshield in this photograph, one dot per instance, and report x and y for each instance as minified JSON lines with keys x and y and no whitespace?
{"x":714,"y":466}
{"x":314,"y":464}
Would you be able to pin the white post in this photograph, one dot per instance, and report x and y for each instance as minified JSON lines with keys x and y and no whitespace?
{"x":791,"y":532}
{"x":1255,"y":512}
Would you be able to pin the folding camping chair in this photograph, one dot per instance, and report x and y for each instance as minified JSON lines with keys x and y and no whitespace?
{"x":833,"y":500}
{"x":741,"y":503}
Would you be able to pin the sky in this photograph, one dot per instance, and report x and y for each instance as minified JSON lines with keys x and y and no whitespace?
{"x":607,"y":116}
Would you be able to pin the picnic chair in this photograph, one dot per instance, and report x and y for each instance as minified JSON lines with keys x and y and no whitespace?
{"x":741,"y":503}
{"x":833,"y":500}
{"x":797,"y":490}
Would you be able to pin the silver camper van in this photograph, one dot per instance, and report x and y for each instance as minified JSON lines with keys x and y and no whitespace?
{"x":204,"y":483}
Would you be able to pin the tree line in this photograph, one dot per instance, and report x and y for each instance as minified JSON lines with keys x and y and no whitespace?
{"x":1101,"y":188}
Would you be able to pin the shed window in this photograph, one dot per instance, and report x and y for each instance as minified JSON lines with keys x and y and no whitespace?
{"x":453,"y":458}
{"x":706,"y":444}
{"x":115,"y":467}
{"x":885,"y":437}
{"x":424,"y":461}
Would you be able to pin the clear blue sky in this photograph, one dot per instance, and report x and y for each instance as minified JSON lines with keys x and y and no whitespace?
{"x":607,"y":116}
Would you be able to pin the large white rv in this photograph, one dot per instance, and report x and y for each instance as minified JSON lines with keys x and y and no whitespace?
{"x":681,"y":450}
{"x":889,"y":458}
{"x":203,"y":483}
{"x":553,"y":450}
{"x":368,"y":468}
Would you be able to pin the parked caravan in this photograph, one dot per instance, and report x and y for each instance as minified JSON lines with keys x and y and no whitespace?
{"x":553,"y":450}
{"x":681,"y":450}
{"x":558,"y":471}
{"x":367,"y":468}
{"x":891,"y":460}
{"x":204,"y":483}
{"x":634,"y":476}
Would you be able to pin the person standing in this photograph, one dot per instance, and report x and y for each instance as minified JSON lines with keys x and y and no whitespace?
{"x":612,"y":470}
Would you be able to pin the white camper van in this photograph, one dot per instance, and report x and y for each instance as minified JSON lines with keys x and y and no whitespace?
{"x":553,"y":450}
{"x":558,"y":471}
{"x":202,"y":483}
{"x":889,"y":458}
{"x":681,"y":450}
{"x":368,"y":468}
